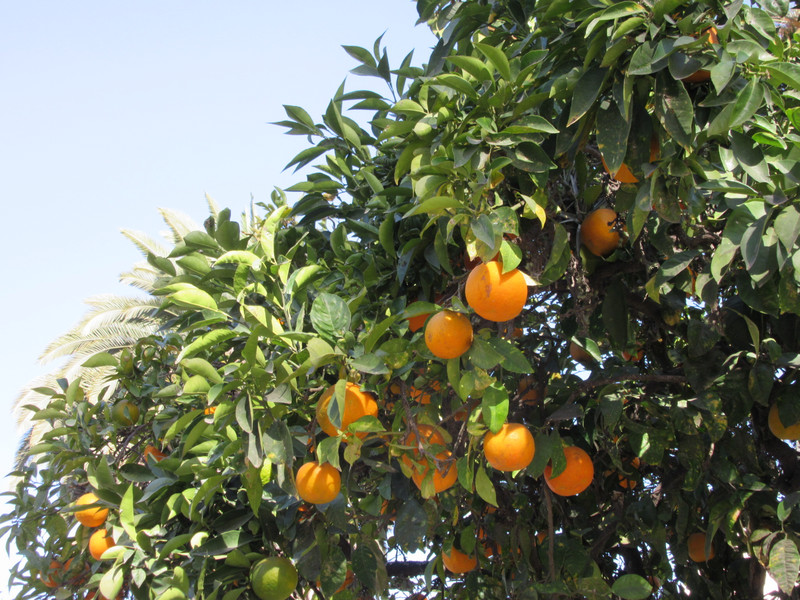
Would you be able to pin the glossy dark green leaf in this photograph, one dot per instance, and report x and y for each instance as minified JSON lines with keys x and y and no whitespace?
{"x":632,"y":587}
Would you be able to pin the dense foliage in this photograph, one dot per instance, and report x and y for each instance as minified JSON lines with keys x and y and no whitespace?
{"x":690,"y":331}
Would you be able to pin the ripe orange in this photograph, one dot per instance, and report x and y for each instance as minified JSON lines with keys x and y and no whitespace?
{"x":444,"y":477}
{"x":90,"y":517}
{"x":575,"y":477}
{"x":416,"y":323}
{"x":458,"y":562}
{"x":99,"y":542}
{"x":624,"y":175}
{"x":697,"y":548}
{"x":52,"y":577}
{"x":448,"y":334}
{"x":422,"y":396}
{"x":210,"y":410}
{"x":494,"y":295}
{"x":125,"y":413}
{"x":510,"y":449}
{"x":633,"y":358}
{"x":598,"y":233}
{"x":357,"y":404}
{"x":792,"y":432}
{"x":528,"y":390}
{"x":318,"y":484}
{"x":430,"y":437}
{"x":151,"y":450}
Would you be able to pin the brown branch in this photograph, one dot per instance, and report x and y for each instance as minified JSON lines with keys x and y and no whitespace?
{"x":409,"y":568}
{"x":551,"y":534}
{"x":639,"y":377}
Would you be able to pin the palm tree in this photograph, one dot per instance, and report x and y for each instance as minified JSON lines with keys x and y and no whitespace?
{"x":112,"y":323}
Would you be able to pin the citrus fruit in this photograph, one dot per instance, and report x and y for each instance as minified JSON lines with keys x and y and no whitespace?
{"x":415,"y":323}
{"x":318,"y":484}
{"x":633,"y":357}
{"x":448,"y":334}
{"x":458,"y":562}
{"x":575,"y":477}
{"x":273,"y":578}
{"x":357,"y":404}
{"x":157,"y":454}
{"x":430,"y":437}
{"x":510,"y":449}
{"x":51,"y":577}
{"x":778,"y":429}
{"x":624,"y":175}
{"x":125,"y":413}
{"x":598,"y":233}
{"x":99,"y":542}
{"x":528,"y":390}
{"x":697,"y":547}
{"x":90,"y":517}
{"x":444,"y":477}
{"x":494,"y":295}
{"x":422,"y":396}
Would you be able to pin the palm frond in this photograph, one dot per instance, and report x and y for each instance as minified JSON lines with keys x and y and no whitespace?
{"x":105,"y":338}
{"x":213,"y":208}
{"x":143,"y":276}
{"x":145,"y":243}
{"x":105,"y":308}
{"x":179,"y":223}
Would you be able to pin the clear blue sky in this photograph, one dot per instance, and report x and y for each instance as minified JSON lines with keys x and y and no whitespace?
{"x":110,"y":110}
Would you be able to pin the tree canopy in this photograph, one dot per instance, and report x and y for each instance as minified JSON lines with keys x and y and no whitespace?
{"x":370,"y":331}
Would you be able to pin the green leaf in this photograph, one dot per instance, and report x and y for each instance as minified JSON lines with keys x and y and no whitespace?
{"x":101,"y":359}
{"x":328,"y":451}
{"x":497,"y":57}
{"x":747,"y":103}
{"x":494,"y":407}
{"x":514,"y":360}
{"x":386,"y":235}
{"x":126,"y":514}
{"x":483,"y":355}
{"x":201,"y":240}
{"x":612,"y":136}
{"x":484,"y":486}
{"x":784,"y":564}
{"x":585,"y":93}
{"x":785,"y":73}
{"x":206,"y":342}
{"x":632,"y":587}
{"x":674,"y":109}
{"x":434,"y":206}
{"x":224,"y":543}
{"x":457,"y":83}
{"x":200,"y":366}
{"x":615,"y":314}
{"x":474,"y":66}
{"x":330,"y":316}
{"x":194,"y":298}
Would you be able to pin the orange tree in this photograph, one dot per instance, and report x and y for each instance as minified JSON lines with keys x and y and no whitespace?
{"x":654,"y":360}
